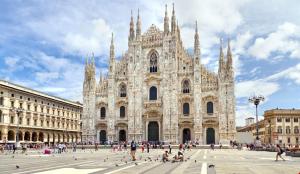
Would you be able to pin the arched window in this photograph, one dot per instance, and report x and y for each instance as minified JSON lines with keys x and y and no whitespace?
{"x":296,"y":130}
{"x":122,"y":90}
{"x":102,"y":112}
{"x":122,"y":111}
{"x":186,"y":109}
{"x":186,"y":86}
{"x":279,"y":129}
{"x":210,"y":107}
{"x":153,"y":93}
{"x":288,"y":130}
{"x":153,"y":62}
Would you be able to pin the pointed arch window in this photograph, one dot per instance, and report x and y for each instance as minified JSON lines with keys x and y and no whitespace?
{"x":186,"y":109}
{"x":122,"y":111}
{"x":122,"y":90}
{"x":153,"y":93}
{"x":210,"y":107}
{"x":153,"y":62}
{"x":186,"y":86}
{"x":102,"y":112}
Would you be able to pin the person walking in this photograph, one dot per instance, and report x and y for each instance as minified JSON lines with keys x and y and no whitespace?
{"x":279,"y":152}
{"x":170,"y":148}
{"x":148,"y":147}
{"x":14,"y":148}
{"x":133,"y":150}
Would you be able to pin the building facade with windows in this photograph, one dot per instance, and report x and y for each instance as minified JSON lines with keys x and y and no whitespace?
{"x":43,"y":118}
{"x":282,"y":126}
{"x":158,"y":91}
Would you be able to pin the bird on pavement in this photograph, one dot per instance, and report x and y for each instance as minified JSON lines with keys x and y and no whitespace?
{"x":117,"y":165}
{"x":136,"y":164}
{"x":195,"y":161}
{"x":17,"y":166}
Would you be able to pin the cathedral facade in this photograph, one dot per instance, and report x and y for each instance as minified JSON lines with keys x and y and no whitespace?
{"x":158,"y":91}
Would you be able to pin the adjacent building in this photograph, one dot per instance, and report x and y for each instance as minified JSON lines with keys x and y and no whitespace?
{"x":43,"y":118}
{"x":282,"y":126}
{"x":158,"y":91}
{"x":278,"y":126}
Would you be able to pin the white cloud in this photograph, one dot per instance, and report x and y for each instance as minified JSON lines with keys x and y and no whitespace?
{"x":292,"y":73}
{"x":257,"y":87}
{"x":284,"y":40}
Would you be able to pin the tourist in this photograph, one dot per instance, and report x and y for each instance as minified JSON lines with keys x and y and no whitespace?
{"x":212,"y":146}
{"x":279,"y":152}
{"x":143,"y":148}
{"x":180,"y":155}
{"x":170,"y":148}
{"x":133,"y":150}
{"x":14,"y":148}
{"x":148,"y":147}
{"x":165,"y":156}
{"x":220,"y":145}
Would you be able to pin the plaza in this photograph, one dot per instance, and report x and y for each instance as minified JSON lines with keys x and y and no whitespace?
{"x":225,"y":161}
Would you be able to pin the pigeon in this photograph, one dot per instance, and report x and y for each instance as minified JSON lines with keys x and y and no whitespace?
{"x":117,"y":165}
{"x":104,"y":160}
{"x":145,"y":160}
{"x":195,"y":161}
{"x":17,"y":166}
{"x":136,"y":164}
{"x":126,"y":162}
{"x":75,"y":158}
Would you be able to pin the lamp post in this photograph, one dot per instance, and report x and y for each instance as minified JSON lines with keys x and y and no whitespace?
{"x":256,"y":100}
{"x":18,"y":111}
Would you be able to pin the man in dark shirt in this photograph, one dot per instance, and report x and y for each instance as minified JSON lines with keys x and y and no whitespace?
{"x":133,"y":150}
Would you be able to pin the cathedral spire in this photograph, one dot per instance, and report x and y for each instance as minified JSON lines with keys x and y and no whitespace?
{"x":166,"y":21}
{"x":229,"y":56}
{"x":196,"y":41}
{"x":221,"y":58}
{"x":138,"y":25}
{"x":173,"y":23}
{"x":131,"y":30}
{"x":112,"y":47}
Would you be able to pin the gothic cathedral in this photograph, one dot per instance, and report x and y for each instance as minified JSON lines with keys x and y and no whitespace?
{"x":158,"y":91}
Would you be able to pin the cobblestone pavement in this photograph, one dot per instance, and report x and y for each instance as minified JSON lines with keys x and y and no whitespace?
{"x":225,"y":161}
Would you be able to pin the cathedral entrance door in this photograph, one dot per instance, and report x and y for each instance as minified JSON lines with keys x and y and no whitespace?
{"x":153,"y":131}
{"x":122,"y":135}
{"x":102,"y":137}
{"x":186,"y":135}
{"x":210,"y":136}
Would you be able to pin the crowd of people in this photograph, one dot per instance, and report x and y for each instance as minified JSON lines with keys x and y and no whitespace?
{"x":144,"y":147}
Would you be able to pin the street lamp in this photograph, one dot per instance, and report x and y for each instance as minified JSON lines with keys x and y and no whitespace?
{"x":18,"y":111}
{"x":256,"y":100}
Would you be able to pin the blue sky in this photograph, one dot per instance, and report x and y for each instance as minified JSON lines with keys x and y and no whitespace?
{"x":43,"y":44}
